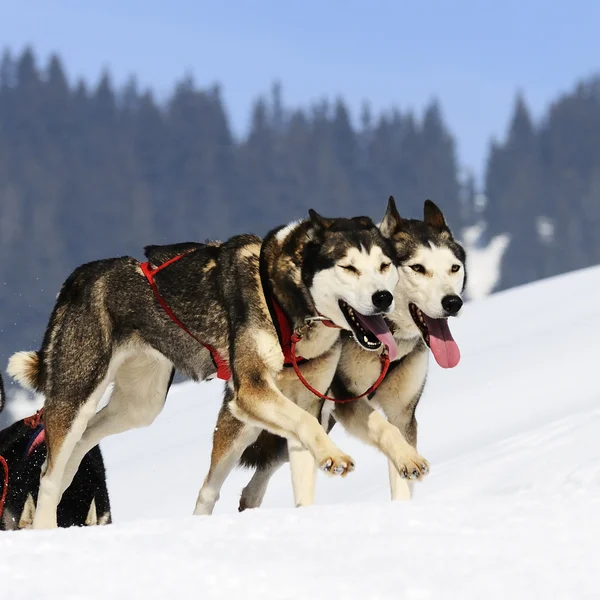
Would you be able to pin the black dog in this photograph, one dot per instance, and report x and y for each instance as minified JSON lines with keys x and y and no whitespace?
{"x":22,"y":453}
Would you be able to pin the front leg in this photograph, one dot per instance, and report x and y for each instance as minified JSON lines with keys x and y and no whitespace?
{"x":361,"y":419}
{"x":399,"y":399}
{"x":259,"y":402}
{"x":402,"y":488}
{"x":304,"y":473}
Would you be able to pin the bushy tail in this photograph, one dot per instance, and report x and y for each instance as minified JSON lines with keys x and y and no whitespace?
{"x":25,"y":368}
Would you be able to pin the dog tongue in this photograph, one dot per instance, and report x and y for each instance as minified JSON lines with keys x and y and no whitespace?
{"x":442,"y":344}
{"x":378,"y":327}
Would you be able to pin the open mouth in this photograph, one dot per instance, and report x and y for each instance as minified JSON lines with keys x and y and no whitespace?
{"x":437,"y":336}
{"x":370,"y":331}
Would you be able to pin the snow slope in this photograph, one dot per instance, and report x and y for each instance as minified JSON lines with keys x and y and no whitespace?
{"x":511,"y":509}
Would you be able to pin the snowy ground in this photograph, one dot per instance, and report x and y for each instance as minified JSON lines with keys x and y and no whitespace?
{"x":511,"y":509}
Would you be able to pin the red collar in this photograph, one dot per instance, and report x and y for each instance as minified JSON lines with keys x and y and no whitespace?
{"x":285,"y":332}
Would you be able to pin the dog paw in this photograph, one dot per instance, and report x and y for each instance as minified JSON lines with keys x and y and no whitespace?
{"x":413,"y":467}
{"x":340,"y":465}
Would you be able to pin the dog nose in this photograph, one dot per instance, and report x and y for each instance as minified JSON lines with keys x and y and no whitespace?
{"x":382,"y":300}
{"x":452,"y":304}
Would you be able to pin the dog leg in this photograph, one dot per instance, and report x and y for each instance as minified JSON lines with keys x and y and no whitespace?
{"x":261,"y":403}
{"x":304,"y":473}
{"x":399,"y":407}
{"x":361,"y":419}
{"x":254,"y":493}
{"x":257,"y":362}
{"x":231,"y":437}
{"x":64,"y":427}
{"x":138,"y":397}
{"x":402,"y":488}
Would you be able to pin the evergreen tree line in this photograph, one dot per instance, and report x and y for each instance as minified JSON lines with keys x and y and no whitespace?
{"x":88,"y":172}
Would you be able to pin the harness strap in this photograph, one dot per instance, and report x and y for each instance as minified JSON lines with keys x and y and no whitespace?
{"x":284,"y":331}
{"x":385,"y":365}
{"x":223,"y":371}
{"x":393,"y":367}
{"x":37,"y":439}
{"x":34,"y":420}
{"x":287,"y":338}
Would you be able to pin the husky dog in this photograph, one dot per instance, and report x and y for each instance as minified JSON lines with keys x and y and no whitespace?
{"x":22,"y":452}
{"x":200,"y":308}
{"x":432,"y":277}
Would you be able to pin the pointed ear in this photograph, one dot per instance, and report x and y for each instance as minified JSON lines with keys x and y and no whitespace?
{"x":433,"y":216}
{"x":92,"y":516}
{"x":318,"y":221}
{"x":26,"y":520}
{"x":391,"y":220}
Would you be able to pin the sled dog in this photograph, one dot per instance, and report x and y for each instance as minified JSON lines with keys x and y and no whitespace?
{"x":22,"y":452}
{"x":432,"y":278}
{"x":224,"y":309}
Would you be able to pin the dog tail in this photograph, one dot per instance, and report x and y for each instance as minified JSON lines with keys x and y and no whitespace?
{"x":25,"y":368}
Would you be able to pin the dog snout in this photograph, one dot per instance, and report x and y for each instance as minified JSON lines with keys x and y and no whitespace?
{"x":452,"y":304}
{"x":382,"y":300}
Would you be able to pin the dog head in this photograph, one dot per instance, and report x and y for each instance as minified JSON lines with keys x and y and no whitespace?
{"x":350,"y":273}
{"x":431,"y":279}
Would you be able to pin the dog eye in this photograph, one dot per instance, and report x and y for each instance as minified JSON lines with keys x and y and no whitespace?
{"x":384,"y":267}
{"x":455,"y":268}
{"x":418,"y":268}
{"x":349,"y":268}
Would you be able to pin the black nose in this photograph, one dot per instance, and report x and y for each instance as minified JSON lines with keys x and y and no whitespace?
{"x":382,"y":300}
{"x":452,"y":304}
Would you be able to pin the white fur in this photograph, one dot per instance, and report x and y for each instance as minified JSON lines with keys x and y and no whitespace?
{"x":138,"y":396}
{"x":356,"y":289}
{"x":18,"y":367}
{"x":285,"y":231}
{"x":141,"y":375}
{"x":92,"y":516}
{"x":268,"y":348}
{"x":28,"y":513}
{"x":426,"y":290}
{"x":303,"y":470}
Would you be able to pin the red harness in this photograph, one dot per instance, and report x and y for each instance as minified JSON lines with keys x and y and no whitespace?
{"x":223,"y":371}
{"x":288,"y":338}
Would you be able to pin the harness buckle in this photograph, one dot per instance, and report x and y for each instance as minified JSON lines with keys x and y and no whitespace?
{"x":310,"y":320}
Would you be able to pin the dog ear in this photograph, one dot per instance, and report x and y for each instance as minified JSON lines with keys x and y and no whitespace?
{"x":318,"y":221}
{"x":433,"y":216}
{"x":391,"y":220}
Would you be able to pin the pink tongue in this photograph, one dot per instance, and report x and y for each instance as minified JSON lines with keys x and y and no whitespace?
{"x":377,"y":326}
{"x":442,"y":344}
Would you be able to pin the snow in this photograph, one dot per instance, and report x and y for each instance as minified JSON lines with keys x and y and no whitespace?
{"x":484,"y":261}
{"x":511,"y":508}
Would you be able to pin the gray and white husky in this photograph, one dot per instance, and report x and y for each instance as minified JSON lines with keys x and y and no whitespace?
{"x":432,"y":278}
{"x":201,"y":308}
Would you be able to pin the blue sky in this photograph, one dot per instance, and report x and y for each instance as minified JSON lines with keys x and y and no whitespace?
{"x":472,"y":55}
